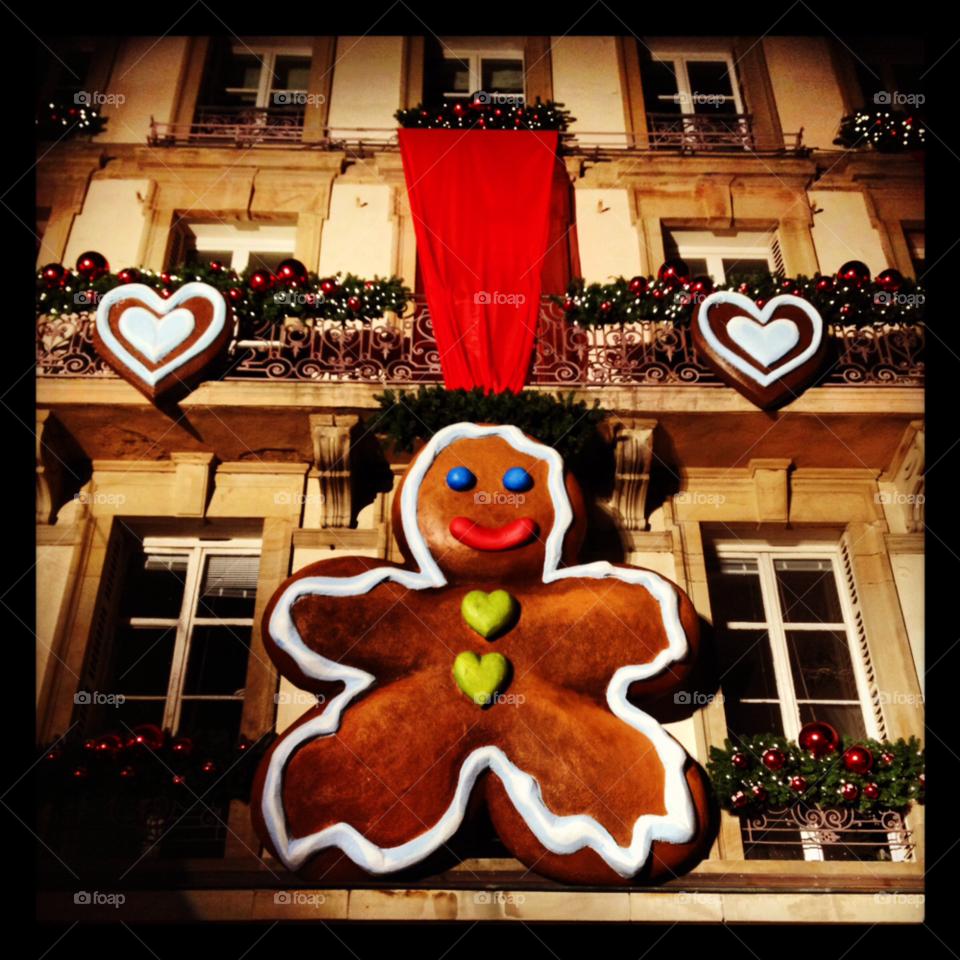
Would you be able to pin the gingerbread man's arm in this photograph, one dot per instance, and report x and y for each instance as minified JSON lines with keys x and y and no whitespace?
{"x":593,"y":624}
{"x":346,"y":609}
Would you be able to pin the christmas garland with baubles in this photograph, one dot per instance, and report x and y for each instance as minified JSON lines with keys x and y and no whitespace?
{"x":62,"y":121}
{"x":487,"y":111}
{"x":849,"y":298}
{"x":147,"y":763}
{"x":257,"y":296}
{"x":768,"y":771}
{"x":888,"y":131}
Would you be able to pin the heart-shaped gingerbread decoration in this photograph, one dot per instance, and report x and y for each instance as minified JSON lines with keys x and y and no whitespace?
{"x":156,"y":344}
{"x":480,"y":678}
{"x":490,"y":614}
{"x":770,"y":354}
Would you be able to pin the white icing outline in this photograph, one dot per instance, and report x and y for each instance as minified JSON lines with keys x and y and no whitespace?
{"x":560,"y":834}
{"x":143,"y":293}
{"x":762,"y":316}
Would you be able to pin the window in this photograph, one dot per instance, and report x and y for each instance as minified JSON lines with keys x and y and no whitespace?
{"x":786,"y":655}
{"x":723,"y":253}
{"x":453,"y":73}
{"x":236,"y":244}
{"x":689,"y":83}
{"x":63,"y":74}
{"x":917,"y":248}
{"x":263,"y":76}
{"x":181,"y":636}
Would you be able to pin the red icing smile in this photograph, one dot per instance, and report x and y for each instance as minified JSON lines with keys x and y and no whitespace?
{"x":504,"y":537}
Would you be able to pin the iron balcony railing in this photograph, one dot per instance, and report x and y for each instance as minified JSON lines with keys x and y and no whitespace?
{"x":404,"y":351}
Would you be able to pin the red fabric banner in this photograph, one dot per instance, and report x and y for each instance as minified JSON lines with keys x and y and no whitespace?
{"x":480,"y":201}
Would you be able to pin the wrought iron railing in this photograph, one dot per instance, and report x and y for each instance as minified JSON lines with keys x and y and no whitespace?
{"x":245,"y":126}
{"x":646,"y":353}
{"x":695,"y":132}
{"x":802,"y":832}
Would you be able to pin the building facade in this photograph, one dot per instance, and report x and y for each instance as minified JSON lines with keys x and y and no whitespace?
{"x":162,"y":532}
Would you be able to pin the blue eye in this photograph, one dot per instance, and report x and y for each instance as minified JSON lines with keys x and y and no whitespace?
{"x":460,"y":478}
{"x":517,"y":479}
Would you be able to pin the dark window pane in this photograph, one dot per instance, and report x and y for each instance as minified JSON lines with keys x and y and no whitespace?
{"x":502,"y":76}
{"x":711,"y":90}
{"x":821,"y":665}
{"x":290,"y":73}
{"x":268,"y":260}
{"x":749,"y":719}
{"x":445,"y":75}
{"x":697,"y":265}
{"x":141,"y":660}
{"x":153,"y":587}
{"x":859,"y":844}
{"x":217,"y":662}
{"x":917,"y":245}
{"x":226,"y":608}
{"x":745,"y":663}
{"x":659,"y":80}
{"x":109,"y":718}
{"x":871,"y":81}
{"x":844,"y":718}
{"x":909,"y":78}
{"x":210,"y":718}
{"x":243,"y":71}
{"x":745,"y":266}
{"x":735,"y":593}
{"x":808,"y":591}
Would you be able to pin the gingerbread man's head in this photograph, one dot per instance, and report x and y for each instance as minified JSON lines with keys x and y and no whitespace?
{"x":488,"y":502}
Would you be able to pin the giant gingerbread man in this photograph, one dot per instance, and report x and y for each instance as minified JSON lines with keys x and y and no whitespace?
{"x":489,"y":667}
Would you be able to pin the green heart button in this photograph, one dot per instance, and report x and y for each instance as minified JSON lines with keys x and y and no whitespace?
{"x":480,"y":677}
{"x":489,"y":614}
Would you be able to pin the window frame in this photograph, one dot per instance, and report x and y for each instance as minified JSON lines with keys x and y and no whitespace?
{"x":715,"y":254}
{"x":475,"y":57}
{"x":267,"y":55}
{"x":242,"y":245}
{"x":196,"y":550}
{"x":679,"y":60}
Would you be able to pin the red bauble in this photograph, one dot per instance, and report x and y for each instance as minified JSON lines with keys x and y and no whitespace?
{"x":128,"y":773}
{"x":369,"y":284}
{"x":166,"y":293}
{"x":871,"y":791}
{"x":674,"y":273}
{"x":758,"y":792}
{"x":91,"y":265}
{"x":109,"y":745}
{"x":825,"y":285}
{"x":147,"y":735}
{"x":80,"y":772}
{"x":182,"y":746}
{"x":739,"y":798}
{"x":165,"y":276}
{"x":569,"y":304}
{"x":606,"y":306}
{"x":890,"y":280}
{"x":638,"y":285}
{"x":658,"y":293}
{"x":54,"y":276}
{"x":90,"y":744}
{"x":817,"y":739}
{"x":701,"y":287}
{"x":740,"y":761}
{"x":760,"y":302}
{"x":846,"y":311}
{"x":887,"y":756}
{"x":209,"y":767}
{"x":798,"y":784}
{"x":773,"y":759}
{"x":178,"y":781}
{"x":129,"y":275}
{"x":858,"y":760}
{"x":923,"y":780}
{"x":743,"y":288}
{"x":54,"y":753}
{"x":849,"y":791}
{"x":329,"y":285}
{"x":215,"y":265}
{"x":291,"y":272}
{"x":354,"y":303}
{"x":788,"y":285}
{"x":854,"y":272}
{"x":244,"y":742}
{"x":263,"y":281}
{"x":235,"y":294}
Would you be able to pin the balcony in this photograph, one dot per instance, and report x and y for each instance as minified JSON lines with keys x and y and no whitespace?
{"x":646,"y":353}
{"x":695,"y":133}
{"x":233,"y":126}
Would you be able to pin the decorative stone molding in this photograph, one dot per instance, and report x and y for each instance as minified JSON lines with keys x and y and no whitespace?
{"x":192,"y":480}
{"x":633,"y":451}
{"x":901,"y":486}
{"x":772,"y":489}
{"x":331,"y":455}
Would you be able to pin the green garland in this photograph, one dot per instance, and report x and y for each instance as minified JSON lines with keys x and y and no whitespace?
{"x":215,"y":768}
{"x":844,"y":304}
{"x":886,"y":130}
{"x":898,"y":779}
{"x":559,"y":422}
{"x":485,"y":112}
{"x":252,"y":307}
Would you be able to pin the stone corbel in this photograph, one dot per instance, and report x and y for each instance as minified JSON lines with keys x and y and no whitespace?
{"x":57,"y":460}
{"x":192,"y":482}
{"x":772,"y":487}
{"x":901,"y":487}
{"x":633,"y":452}
{"x":331,"y":455}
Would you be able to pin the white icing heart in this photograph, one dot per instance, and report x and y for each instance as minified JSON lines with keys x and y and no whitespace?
{"x":155,"y":336}
{"x":766,"y":344}
{"x":164,"y":334}
{"x":762,"y":318}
